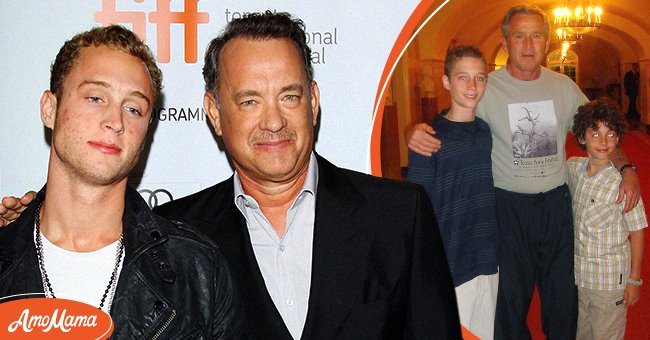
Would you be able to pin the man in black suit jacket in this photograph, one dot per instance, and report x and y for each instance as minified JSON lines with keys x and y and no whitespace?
{"x":378,"y":267}
{"x":373,"y":253}
{"x":631,"y":84}
{"x":378,"y":270}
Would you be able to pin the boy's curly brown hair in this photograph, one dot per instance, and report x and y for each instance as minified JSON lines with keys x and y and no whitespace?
{"x":603,"y":110}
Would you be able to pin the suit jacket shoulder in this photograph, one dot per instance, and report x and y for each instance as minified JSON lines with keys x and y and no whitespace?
{"x":205,"y":206}
{"x":365,"y":188}
{"x":379,"y":238}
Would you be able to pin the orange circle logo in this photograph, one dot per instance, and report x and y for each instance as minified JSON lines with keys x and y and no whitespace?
{"x":44,"y":318}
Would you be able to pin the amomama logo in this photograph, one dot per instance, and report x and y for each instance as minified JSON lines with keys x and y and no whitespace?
{"x":44,"y":318}
{"x":163,"y":18}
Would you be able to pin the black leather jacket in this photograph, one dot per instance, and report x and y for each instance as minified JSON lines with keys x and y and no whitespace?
{"x":174,"y":282}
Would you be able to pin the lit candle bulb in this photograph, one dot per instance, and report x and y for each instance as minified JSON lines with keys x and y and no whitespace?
{"x":567,"y":14}
{"x":557,"y":14}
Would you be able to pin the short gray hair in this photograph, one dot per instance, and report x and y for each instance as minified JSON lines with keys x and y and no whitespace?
{"x":524,"y":9}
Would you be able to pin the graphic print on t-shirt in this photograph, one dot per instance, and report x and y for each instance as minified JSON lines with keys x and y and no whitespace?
{"x":534,"y":138}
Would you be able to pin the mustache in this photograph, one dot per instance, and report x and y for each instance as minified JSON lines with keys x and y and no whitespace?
{"x":269,"y":136}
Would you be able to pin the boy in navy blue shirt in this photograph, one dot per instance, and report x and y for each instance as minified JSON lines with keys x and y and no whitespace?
{"x":458,"y":179}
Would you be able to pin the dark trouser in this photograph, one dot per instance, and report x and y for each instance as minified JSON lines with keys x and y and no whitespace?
{"x":535,"y":247}
{"x":633,"y":115}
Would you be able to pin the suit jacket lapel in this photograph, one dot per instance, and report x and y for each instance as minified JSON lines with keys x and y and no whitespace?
{"x":340,"y":247}
{"x":235,"y":244}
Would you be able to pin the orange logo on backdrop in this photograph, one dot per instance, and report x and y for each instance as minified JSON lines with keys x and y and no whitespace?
{"x":44,"y":318}
{"x":163,"y":18}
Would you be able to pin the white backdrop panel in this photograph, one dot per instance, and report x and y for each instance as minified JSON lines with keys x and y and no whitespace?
{"x":350,"y":40}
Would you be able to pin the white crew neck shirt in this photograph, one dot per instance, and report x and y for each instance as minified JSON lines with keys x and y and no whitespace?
{"x":81,"y":276}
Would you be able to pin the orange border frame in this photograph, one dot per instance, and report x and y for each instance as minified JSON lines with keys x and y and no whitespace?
{"x":399,"y":47}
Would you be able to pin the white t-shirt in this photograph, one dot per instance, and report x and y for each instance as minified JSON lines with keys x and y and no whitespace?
{"x":529,"y":121}
{"x":81,"y":276}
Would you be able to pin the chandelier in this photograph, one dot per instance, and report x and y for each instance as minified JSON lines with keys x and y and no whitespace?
{"x":578,"y":19}
{"x":564,"y":36}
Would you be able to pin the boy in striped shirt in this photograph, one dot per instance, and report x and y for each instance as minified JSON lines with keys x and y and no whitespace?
{"x":458,"y":179}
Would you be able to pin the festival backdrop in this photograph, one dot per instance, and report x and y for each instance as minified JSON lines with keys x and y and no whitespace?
{"x":351,"y":42}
